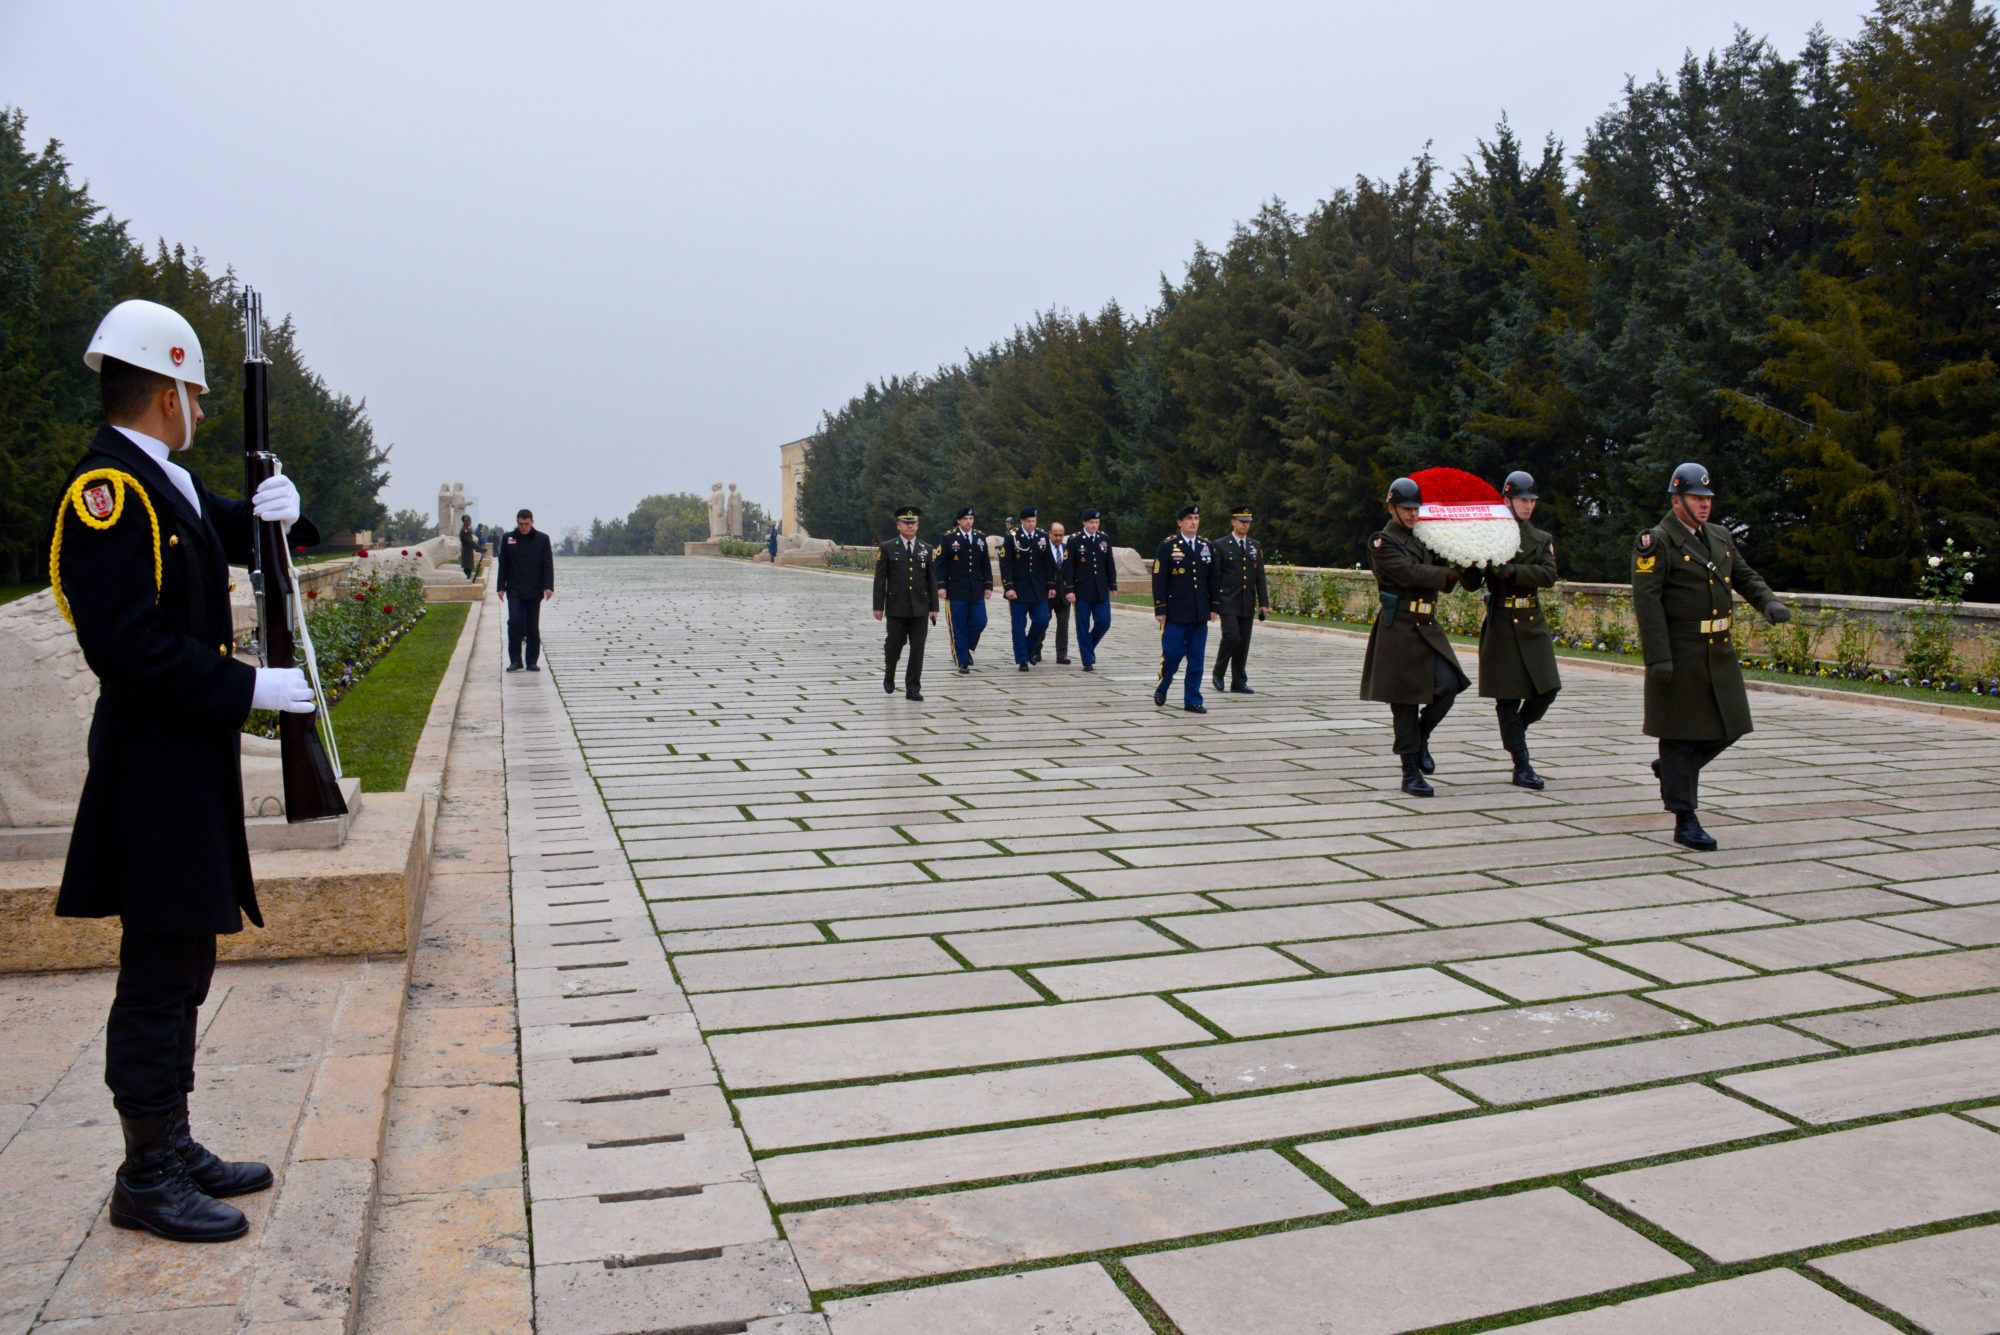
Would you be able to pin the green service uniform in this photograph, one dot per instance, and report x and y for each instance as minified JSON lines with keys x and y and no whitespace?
{"x":906,"y":595}
{"x":1681,"y":594}
{"x":1241,"y":593}
{"x":1410,"y":665}
{"x":1517,"y":652}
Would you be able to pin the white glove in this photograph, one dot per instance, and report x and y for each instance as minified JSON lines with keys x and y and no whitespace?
{"x":276,"y":499}
{"x":283,"y":689}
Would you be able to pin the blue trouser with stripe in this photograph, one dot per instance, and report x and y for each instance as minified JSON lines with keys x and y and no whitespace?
{"x":1092,"y":620}
{"x":966,"y":623}
{"x":1031,"y":623}
{"x":1180,"y":640}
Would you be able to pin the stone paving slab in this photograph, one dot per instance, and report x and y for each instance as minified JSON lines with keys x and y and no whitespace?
{"x":1064,"y":932}
{"x":1744,"y":1204}
{"x":1403,"y":1271}
{"x":853,"y":1245}
{"x":1867,"y":1085}
{"x":1948,"y":1283}
{"x":1771,"y":1302}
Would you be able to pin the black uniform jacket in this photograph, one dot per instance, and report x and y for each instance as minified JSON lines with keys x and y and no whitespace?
{"x":1681,"y":584}
{"x":1090,"y":570}
{"x":159,"y":836}
{"x":1240,"y":585}
{"x":1184,"y":575}
{"x":527,"y":562}
{"x":1397,"y":668}
{"x":1517,"y":651}
{"x":964,"y":568}
{"x":1028,"y":564}
{"x":905,"y":583}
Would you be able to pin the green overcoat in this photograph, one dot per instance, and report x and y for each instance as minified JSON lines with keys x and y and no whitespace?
{"x":1397,"y":668}
{"x":1681,"y":583}
{"x":1517,"y":652}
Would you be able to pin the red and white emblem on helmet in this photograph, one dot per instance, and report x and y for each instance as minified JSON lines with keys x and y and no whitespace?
{"x":178,"y":354}
{"x":97,"y":500}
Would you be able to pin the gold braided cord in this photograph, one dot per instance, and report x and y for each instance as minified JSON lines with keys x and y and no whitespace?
{"x":119,"y":481}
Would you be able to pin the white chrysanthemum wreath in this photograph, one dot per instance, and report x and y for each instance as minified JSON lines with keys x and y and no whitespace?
{"x":1463,"y":519}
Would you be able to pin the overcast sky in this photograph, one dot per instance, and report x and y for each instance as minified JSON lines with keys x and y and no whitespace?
{"x":574,"y":254}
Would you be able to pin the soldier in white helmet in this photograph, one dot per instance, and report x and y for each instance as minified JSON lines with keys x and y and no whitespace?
{"x":139,"y":551}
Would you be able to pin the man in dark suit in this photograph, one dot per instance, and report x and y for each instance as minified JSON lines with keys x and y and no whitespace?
{"x":527,"y":580}
{"x":1090,"y":577}
{"x":906,"y":598}
{"x":139,"y":555}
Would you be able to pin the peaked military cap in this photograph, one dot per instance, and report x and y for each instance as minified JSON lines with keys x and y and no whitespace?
{"x":910,"y":513}
{"x":1243,"y":512}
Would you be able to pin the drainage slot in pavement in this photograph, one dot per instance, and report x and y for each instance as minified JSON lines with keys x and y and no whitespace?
{"x":608,"y":992}
{"x":603,"y":964}
{"x":649,"y":1194}
{"x":598,"y":1024}
{"x":662,"y":1258}
{"x":627,"y":1098}
{"x":616,"y":1056}
{"x":673,"y":1138}
{"x":581,"y":922}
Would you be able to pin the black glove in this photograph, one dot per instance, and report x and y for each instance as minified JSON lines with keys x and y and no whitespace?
{"x":1659,"y":674}
{"x":1777,"y":614}
{"x":1507,"y":572}
{"x":1260,"y":614}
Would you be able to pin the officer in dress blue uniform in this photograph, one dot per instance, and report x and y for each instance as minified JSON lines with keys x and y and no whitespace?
{"x":1028,"y":572}
{"x":1090,"y":577}
{"x":139,"y":566}
{"x":965,"y":578}
{"x":1184,"y":588}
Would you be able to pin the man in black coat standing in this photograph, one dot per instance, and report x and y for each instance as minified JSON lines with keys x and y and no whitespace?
{"x":527,"y":580}
{"x":139,"y":554}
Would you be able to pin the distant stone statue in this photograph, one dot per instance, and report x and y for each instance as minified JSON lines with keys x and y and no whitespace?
{"x":735,"y":512}
{"x":451,"y":505}
{"x":718,"y":517}
{"x":444,"y":509}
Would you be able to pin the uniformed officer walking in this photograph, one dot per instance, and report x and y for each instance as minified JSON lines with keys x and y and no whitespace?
{"x":906,"y":598}
{"x":1409,"y":665}
{"x":138,"y":564}
{"x":1517,"y":652}
{"x":1183,"y":605}
{"x":965,"y":576}
{"x":1028,"y":574}
{"x":1683,"y":569}
{"x":1242,"y":597}
{"x":1089,"y":580}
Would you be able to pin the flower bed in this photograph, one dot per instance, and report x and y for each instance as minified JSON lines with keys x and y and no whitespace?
{"x":353,"y":626}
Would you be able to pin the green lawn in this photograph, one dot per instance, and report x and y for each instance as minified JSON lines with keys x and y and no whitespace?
{"x":377,"y":723}
{"x":9,"y":592}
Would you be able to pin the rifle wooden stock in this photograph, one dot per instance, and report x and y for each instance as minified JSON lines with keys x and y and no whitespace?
{"x":312,"y":792}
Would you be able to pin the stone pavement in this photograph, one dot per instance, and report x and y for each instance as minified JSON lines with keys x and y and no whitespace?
{"x":1035,"y":1008}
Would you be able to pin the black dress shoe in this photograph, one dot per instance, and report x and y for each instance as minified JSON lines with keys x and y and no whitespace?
{"x":534,"y":667}
{"x":513,"y":667}
{"x":1090,"y":667}
{"x":1414,"y":785}
{"x":914,"y":695}
{"x":1424,"y":761}
{"x":154,"y":1193}
{"x":216,"y":1176}
{"x":1160,"y":696}
{"x":1525,"y":776}
{"x":964,"y":671}
{"x":889,"y":684}
{"x":1217,"y":679}
{"x":1061,"y":659}
{"x":1034,"y":658}
{"x":1241,"y":690}
{"x":1689,"y":834}
{"x":1024,"y":667}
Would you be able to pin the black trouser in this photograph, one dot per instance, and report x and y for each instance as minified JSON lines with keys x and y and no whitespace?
{"x":910,"y":630}
{"x":149,"y":1040}
{"x":1517,"y":716}
{"x":524,"y":622}
{"x":1680,"y":771}
{"x":1235,"y":651}
{"x":1062,"y":606}
{"x":1416,"y":723}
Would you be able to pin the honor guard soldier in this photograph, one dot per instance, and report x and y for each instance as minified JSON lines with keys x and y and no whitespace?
{"x":965,"y":577}
{"x":1090,"y":578}
{"x":1683,"y":569}
{"x":906,"y":598}
{"x":138,"y":563}
{"x":1029,"y":575}
{"x":1517,"y":652}
{"x":1409,"y":665}
{"x":1242,"y":597}
{"x":1183,"y":605}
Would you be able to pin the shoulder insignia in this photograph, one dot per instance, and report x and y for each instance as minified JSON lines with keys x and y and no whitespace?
{"x":1645,"y":564}
{"x":97,"y":500}
{"x":1378,"y":542}
{"x":1645,"y":540}
{"x":1156,"y":565}
{"x":98,"y":497}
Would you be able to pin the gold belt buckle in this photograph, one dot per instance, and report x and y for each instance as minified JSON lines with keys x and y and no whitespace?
{"x":1422,"y":609}
{"x":1715,"y":627}
{"x":1520,"y":602}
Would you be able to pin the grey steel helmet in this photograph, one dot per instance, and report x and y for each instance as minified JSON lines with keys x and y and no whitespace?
{"x":1519,"y":484}
{"x":1403,"y":491}
{"x":1690,"y":479}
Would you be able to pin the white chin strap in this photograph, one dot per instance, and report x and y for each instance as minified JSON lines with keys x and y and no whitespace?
{"x":187,"y":416}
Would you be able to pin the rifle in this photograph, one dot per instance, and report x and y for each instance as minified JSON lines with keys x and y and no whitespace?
{"x":305,"y":741}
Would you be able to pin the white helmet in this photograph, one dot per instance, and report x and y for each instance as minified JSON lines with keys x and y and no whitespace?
{"x":151,"y":337}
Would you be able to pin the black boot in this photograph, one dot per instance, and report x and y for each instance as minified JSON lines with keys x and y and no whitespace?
{"x":1688,"y":832}
{"x":1524,"y":773}
{"x":1413,"y":779}
{"x":216,"y":1176}
{"x":889,"y":680}
{"x":1424,"y":761}
{"x":154,"y":1192}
